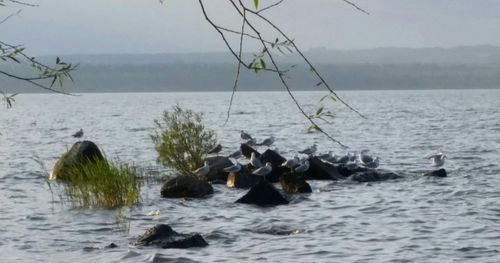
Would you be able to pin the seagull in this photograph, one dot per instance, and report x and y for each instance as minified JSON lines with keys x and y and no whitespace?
{"x":364,"y":158}
{"x":437,"y":159}
{"x":236,"y":154}
{"x":291,"y":163}
{"x":373,"y":164}
{"x":352,"y":156}
{"x":250,"y":142}
{"x":327,"y":156}
{"x":216,"y":149}
{"x":263,"y":171}
{"x":254,"y":161}
{"x":236,"y":167}
{"x":367,"y":160}
{"x":245,"y":136}
{"x":344,"y":159}
{"x":303,"y":167}
{"x":268,"y":141}
{"x":78,"y":134}
{"x":202,"y":171}
{"x":309,"y":151}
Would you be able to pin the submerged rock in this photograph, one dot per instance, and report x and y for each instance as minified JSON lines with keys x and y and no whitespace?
{"x":242,"y":179}
{"x":112,"y":245}
{"x":80,"y":153}
{"x":373,"y":175}
{"x":164,"y":236}
{"x":437,"y":173}
{"x":217,"y":165}
{"x":293,"y":183}
{"x":263,"y":194}
{"x":186,"y":186}
{"x":319,"y":170}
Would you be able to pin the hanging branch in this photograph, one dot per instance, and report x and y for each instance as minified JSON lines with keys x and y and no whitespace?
{"x":281,"y":76}
{"x":301,"y":54}
{"x":356,"y":6}
{"x":237,"y":77}
{"x":15,"y":54}
{"x":259,"y":64}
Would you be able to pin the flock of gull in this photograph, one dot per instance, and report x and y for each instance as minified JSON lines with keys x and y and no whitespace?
{"x":299,"y":164}
{"x":296,"y":164}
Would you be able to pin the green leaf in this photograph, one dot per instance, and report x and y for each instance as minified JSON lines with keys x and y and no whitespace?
{"x":263,"y":64}
{"x":53,"y":81}
{"x":313,"y":128}
{"x":319,"y":110}
{"x":256,"y":4}
{"x":319,"y":83}
{"x":324,"y":97}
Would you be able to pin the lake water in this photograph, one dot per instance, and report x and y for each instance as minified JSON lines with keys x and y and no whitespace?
{"x":414,"y":219}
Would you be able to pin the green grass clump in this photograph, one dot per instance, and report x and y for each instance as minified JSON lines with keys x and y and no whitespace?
{"x":182,"y":141}
{"x":100,"y":183}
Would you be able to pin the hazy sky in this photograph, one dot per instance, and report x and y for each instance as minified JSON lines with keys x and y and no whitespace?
{"x":145,"y":26}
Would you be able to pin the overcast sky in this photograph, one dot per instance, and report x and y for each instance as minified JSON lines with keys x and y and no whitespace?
{"x":145,"y":26}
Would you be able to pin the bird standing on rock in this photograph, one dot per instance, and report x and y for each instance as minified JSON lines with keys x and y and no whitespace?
{"x":236,"y":167}
{"x":245,"y":136}
{"x":309,"y":151}
{"x":254,"y":161}
{"x":303,"y":167}
{"x":202,"y":171}
{"x":267,"y":142}
{"x":367,"y":160}
{"x":263,"y":171}
{"x":236,"y":154}
{"x":437,"y":160}
{"x":215,"y":150}
{"x":291,"y":163}
{"x":78,"y":134}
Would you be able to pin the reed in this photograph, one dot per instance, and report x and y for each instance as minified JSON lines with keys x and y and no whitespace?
{"x":101,"y":183}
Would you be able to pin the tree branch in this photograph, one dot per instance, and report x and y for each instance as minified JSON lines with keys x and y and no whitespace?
{"x":270,"y":6}
{"x":33,"y":82}
{"x":237,"y":77}
{"x":282,"y":79}
{"x":306,"y":60}
{"x":356,"y":6}
{"x":10,"y":16}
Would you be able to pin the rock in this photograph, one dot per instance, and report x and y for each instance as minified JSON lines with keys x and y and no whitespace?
{"x":348,"y":170}
{"x":263,"y":194}
{"x":268,"y":156}
{"x":292,"y":183}
{"x":437,"y":173}
{"x":164,"y":236}
{"x":112,"y":245}
{"x":80,"y":153}
{"x":217,"y":165}
{"x":276,"y":160}
{"x":186,"y":186}
{"x":373,"y":175}
{"x":243,"y":179}
{"x":319,"y":170}
{"x":247,"y":151}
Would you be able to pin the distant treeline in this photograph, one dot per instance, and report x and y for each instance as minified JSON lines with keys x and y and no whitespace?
{"x":220,"y":77}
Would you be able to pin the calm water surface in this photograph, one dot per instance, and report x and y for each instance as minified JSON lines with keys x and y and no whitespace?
{"x":414,"y":219}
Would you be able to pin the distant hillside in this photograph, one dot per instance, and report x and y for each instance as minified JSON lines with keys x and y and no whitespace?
{"x":384,"y":68}
{"x":387,"y":55}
